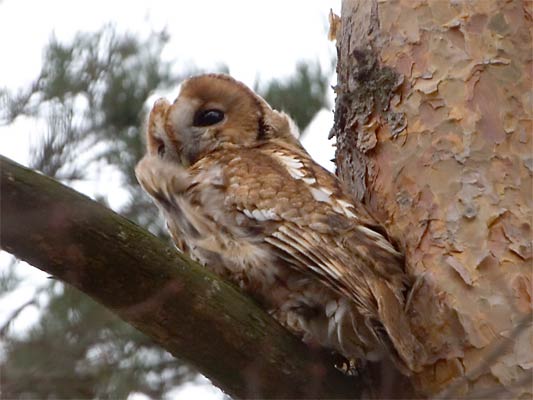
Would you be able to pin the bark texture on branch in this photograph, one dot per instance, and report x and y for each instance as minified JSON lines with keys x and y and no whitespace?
{"x":188,"y":311}
{"x":433,"y":124}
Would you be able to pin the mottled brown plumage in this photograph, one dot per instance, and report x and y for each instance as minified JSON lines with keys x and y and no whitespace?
{"x":242,"y":196}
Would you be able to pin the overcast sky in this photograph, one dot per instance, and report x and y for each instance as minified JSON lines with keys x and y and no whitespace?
{"x":254,"y":39}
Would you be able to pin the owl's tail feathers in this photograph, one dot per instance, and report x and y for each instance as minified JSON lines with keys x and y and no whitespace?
{"x":408,"y":353}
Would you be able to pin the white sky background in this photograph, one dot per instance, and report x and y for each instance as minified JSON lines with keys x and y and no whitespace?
{"x":255,"y":39}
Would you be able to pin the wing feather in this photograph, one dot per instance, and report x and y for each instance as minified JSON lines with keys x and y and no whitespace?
{"x":299,"y":256}
{"x":325,"y":260}
{"x":316,"y":235}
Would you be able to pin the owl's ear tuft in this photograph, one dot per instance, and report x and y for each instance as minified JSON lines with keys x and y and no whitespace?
{"x":282,"y":126}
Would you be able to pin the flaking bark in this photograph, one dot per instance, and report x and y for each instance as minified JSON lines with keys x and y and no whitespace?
{"x":433,"y":124}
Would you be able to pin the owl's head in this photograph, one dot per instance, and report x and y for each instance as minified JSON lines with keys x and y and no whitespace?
{"x":211,"y":111}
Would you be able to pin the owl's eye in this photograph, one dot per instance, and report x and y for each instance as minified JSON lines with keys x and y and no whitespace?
{"x":208,"y":117}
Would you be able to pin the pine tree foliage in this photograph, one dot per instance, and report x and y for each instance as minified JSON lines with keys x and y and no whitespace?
{"x":302,"y":96}
{"x":91,"y":97}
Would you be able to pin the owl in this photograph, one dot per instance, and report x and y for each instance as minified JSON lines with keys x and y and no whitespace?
{"x":241,"y":196}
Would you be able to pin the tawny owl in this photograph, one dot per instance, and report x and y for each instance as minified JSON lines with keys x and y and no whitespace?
{"x":242,"y":196}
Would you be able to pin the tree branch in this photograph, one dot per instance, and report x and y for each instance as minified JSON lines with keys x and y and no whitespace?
{"x":180,"y":305}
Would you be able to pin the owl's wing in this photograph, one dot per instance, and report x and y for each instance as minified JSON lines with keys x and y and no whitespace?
{"x":314,"y":229}
{"x":294,"y":207}
{"x":310,"y":223}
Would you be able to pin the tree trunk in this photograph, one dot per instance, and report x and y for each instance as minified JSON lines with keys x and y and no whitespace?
{"x":433,"y":125}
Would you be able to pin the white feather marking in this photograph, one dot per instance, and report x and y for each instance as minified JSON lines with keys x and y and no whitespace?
{"x":346,"y":208}
{"x":248,"y":213}
{"x":293,"y":128}
{"x":342,"y":309}
{"x":309,"y":181}
{"x":339,"y":316}
{"x":262,"y":215}
{"x":331,"y":307}
{"x":292,"y":165}
{"x":370,"y":232}
{"x":380,"y":240}
{"x":321,"y":194}
{"x":326,"y":190}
